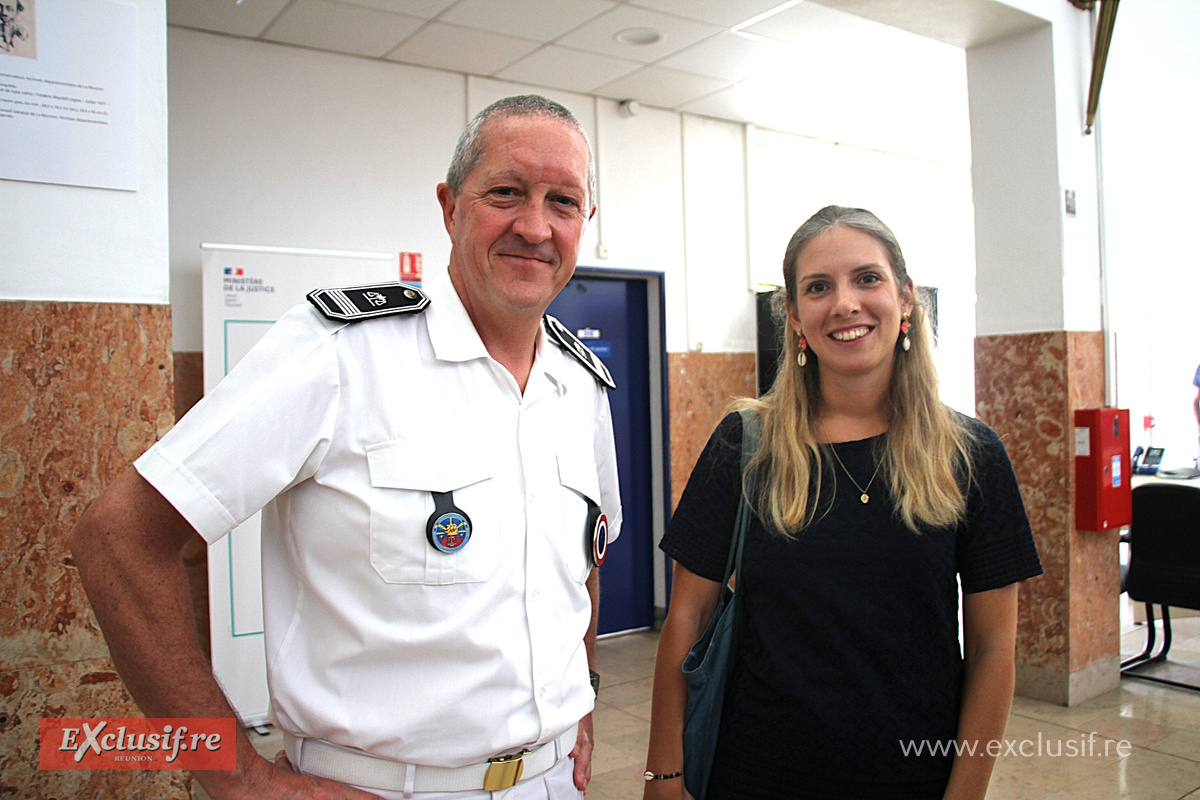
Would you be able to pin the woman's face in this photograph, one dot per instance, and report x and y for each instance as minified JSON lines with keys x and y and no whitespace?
{"x":848,"y":303}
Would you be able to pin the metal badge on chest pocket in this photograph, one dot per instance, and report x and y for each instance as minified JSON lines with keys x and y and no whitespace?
{"x":417,"y":538}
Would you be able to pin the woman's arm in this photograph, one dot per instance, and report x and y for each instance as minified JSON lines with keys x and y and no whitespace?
{"x":990,"y":635}
{"x":693,"y":599}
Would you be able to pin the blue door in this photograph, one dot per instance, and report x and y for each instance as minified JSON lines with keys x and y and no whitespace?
{"x":609,"y":314}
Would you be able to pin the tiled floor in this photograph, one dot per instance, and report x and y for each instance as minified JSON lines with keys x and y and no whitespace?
{"x":1161,"y":725}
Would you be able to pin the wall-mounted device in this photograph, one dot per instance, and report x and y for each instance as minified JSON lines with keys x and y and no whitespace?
{"x":1103,"y":495}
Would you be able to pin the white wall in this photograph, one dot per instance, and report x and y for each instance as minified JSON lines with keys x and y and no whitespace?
{"x":274,"y":145}
{"x":1149,"y":115}
{"x":101,"y":245}
{"x":719,"y":289}
{"x":926,"y":204}
{"x":641,"y":202}
{"x":1017,"y":227}
{"x":1039,"y":268}
{"x":1077,"y":166}
{"x":280,"y":146}
{"x":1145,"y":133}
{"x":1143,"y":208}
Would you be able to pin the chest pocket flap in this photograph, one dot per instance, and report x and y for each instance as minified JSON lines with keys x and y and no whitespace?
{"x":427,"y":466}
{"x":577,"y":474}
{"x":404,"y":473}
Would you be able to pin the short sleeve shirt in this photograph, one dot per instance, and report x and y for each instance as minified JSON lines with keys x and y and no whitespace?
{"x":341,"y":434}
{"x":851,"y":629}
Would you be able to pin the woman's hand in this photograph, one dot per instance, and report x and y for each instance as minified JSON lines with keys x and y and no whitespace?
{"x":672,"y":789}
{"x":693,"y":600}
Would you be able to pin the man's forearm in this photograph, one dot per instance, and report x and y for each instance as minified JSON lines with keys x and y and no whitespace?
{"x":127,"y":549}
{"x":589,"y":638}
{"x":139,"y":592}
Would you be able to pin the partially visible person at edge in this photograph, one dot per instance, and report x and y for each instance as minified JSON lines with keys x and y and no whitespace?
{"x":1196,"y":411}
{"x":431,"y":464}
{"x":872,"y":500}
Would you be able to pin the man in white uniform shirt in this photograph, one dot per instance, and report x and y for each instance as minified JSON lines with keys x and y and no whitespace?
{"x":432,"y":468}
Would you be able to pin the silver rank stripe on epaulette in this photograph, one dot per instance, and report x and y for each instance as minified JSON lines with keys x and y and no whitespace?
{"x":567,"y":341}
{"x":379,"y":300}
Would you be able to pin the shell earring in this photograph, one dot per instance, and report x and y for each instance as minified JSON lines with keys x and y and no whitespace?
{"x":801,"y":357}
{"x":905,"y":327}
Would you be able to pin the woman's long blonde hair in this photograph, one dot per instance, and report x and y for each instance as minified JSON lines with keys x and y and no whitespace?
{"x":926,"y":454}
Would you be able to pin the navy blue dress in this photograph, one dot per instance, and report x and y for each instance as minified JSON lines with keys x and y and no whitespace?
{"x":850,"y":658}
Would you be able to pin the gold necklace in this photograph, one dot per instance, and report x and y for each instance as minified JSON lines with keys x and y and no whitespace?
{"x":864,"y":497}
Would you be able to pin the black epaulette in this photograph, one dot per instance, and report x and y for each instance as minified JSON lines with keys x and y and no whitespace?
{"x":567,"y":341}
{"x":365,"y":302}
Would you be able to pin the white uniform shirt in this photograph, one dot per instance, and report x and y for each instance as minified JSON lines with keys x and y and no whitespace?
{"x":340,"y":432}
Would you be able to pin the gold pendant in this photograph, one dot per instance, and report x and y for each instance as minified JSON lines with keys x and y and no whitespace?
{"x":865,"y":497}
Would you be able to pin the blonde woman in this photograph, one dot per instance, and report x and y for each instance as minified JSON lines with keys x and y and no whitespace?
{"x":873,"y":501}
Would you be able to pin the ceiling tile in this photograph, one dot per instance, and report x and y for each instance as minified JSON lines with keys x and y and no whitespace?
{"x":513,"y":40}
{"x":725,"y":13}
{"x":666,"y":88}
{"x":543,"y":20}
{"x":342,"y":28}
{"x":249,"y":19}
{"x":460,"y":49}
{"x":801,"y":24}
{"x":963,"y":23}
{"x":562,"y":68}
{"x":729,"y":56}
{"x":728,"y":103}
{"x":425,"y":9}
{"x":597,"y":35}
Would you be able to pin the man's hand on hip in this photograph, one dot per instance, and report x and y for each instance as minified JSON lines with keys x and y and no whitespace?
{"x":584,"y":744}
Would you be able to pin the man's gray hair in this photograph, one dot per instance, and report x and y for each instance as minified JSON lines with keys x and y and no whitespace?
{"x":469,"y":150}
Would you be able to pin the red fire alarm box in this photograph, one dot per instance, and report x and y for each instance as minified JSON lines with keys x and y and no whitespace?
{"x":1103,"y":494}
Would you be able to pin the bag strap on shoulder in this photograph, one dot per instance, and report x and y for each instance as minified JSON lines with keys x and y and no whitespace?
{"x":749,"y":443}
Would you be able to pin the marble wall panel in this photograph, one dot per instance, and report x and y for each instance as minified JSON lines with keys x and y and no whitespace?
{"x":86,"y":388}
{"x":700,"y":386}
{"x":1095,"y":587}
{"x":88,"y":688}
{"x":189,"y":380}
{"x":1085,"y":368}
{"x":1027,"y":388}
{"x":1021,"y":391}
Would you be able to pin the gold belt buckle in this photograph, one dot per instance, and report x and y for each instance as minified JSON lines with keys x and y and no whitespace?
{"x":504,"y":772}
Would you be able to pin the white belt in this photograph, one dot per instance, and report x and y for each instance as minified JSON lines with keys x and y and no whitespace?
{"x":324,"y":760}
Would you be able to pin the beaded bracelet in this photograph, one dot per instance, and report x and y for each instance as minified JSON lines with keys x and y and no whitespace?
{"x":650,"y":776}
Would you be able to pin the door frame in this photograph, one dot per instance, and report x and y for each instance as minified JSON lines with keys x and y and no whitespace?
{"x":660,"y":420}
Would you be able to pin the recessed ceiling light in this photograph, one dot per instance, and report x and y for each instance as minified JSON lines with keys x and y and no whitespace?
{"x":638,"y":37}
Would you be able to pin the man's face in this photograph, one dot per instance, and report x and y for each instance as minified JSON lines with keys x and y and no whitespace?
{"x":516,"y":226}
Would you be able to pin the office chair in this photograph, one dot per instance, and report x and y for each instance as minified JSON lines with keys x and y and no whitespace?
{"x":1164,"y":563}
